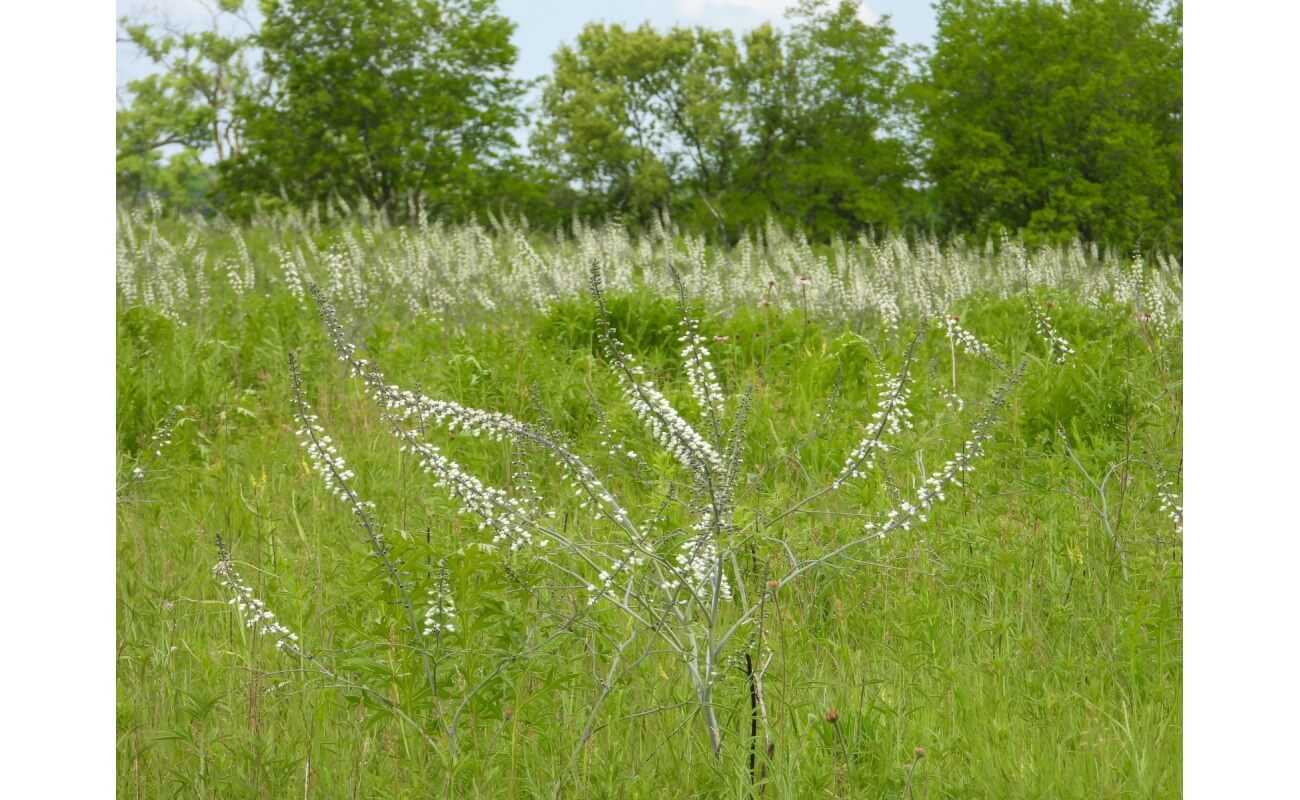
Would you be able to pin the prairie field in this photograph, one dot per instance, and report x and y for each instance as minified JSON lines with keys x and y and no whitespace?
{"x":604,"y":513}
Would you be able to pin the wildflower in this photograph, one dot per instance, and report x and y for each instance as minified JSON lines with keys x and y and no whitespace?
{"x":932,"y":488}
{"x":1057,"y":346}
{"x":513,"y":520}
{"x":891,"y":417}
{"x":700,"y":374}
{"x":292,"y":274}
{"x":623,"y":567}
{"x":966,"y":339}
{"x":253,"y":611}
{"x":1171,"y":503}
{"x":699,"y":562}
{"x":439,"y":616}
{"x":158,"y":441}
{"x":667,"y":426}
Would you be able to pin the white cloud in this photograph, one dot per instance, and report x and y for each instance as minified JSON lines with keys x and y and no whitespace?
{"x":765,"y":7}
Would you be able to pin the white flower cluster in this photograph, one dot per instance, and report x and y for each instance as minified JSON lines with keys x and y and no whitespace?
{"x":325,"y":459}
{"x":666,"y":426}
{"x":1131,"y":283}
{"x":253,"y":611}
{"x":590,"y":491}
{"x":162,"y":436}
{"x":892,"y":411}
{"x":700,"y":564}
{"x":1056,"y":344}
{"x":933,"y":488}
{"x":669,"y":429}
{"x":510,"y":520}
{"x":703,"y":380}
{"x":966,"y":339}
{"x":439,"y":616}
{"x":630,"y":561}
{"x":615,"y":445}
{"x":463,"y":268}
{"x":243,"y":282}
{"x":324,"y":455}
{"x":292,"y":275}
{"x":402,"y":404}
{"x":501,"y":427}
{"x":952,"y":399}
{"x":453,"y":416}
{"x":345,"y":267}
{"x":1171,"y":503}
{"x":891,"y":417}
{"x":934,"y":485}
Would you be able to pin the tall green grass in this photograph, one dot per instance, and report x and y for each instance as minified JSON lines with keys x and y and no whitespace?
{"x":1007,"y":638}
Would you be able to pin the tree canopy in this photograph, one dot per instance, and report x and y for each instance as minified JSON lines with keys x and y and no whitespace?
{"x":1058,"y":118}
{"x":188,"y":106}
{"x":1055,"y":118}
{"x":378,"y":99}
{"x":800,"y":124}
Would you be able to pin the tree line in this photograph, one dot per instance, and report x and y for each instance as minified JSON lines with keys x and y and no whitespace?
{"x":1054,"y":118}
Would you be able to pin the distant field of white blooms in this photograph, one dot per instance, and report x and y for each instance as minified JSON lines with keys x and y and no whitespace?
{"x":457,"y":271}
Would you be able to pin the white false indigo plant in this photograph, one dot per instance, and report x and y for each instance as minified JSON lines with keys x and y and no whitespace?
{"x":671,"y":574}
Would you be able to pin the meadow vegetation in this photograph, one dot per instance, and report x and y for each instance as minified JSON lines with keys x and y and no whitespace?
{"x":590,"y":512}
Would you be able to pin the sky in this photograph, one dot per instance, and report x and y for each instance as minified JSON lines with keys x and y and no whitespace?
{"x":542,"y":25}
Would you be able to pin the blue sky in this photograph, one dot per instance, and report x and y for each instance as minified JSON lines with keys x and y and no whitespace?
{"x":544,"y":24}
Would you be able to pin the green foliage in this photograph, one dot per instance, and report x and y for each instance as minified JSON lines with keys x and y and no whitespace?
{"x":647,"y":323}
{"x":1057,"y":118}
{"x":189,"y":107}
{"x":826,"y":150}
{"x":723,"y":134}
{"x":381,"y":101}
{"x":635,"y":115}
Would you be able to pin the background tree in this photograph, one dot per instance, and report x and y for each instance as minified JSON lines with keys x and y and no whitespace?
{"x":379,"y":99}
{"x":1058,"y":118}
{"x":187,"y":112}
{"x":800,"y":125}
{"x":637,"y":117}
{"x":825,"y":144}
